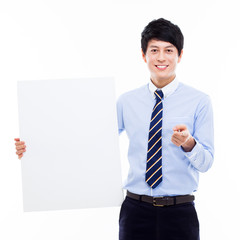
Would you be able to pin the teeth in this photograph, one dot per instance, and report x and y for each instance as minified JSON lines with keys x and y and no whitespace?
{"x":162,"y":66}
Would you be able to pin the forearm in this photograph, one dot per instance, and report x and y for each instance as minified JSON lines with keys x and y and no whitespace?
{"x":201,"y":158}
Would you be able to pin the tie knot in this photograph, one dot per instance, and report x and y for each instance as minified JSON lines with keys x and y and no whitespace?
{"x":159,"y":94}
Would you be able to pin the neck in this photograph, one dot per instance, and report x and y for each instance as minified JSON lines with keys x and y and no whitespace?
{"x":160,"y":83}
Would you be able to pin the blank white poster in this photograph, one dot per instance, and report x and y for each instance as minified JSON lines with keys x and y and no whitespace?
{"x":70,"y":130}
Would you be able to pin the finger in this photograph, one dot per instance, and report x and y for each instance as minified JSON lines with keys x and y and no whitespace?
{"x":184,"y":134}
{"x":180,"y":127}
{"x":176,"y":141}
{"x":20,"y":156}
{"x":19,"y":143}
{"x":20,"y":151}
{"x":21,"y":147}
{"x":178,"y":135}
{"x":180,"y":140}
{"x":17,"y":139}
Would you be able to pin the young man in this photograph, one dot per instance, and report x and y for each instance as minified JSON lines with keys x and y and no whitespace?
{"x":170,"y":130}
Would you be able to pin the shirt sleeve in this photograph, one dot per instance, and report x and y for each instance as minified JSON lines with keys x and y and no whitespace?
{"x":202,"y":155}
{"x":120,"y":115}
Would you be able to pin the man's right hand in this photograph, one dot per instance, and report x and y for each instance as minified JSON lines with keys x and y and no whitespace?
{"x":20,"y":147}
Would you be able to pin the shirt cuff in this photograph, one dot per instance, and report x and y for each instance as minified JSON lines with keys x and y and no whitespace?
{"x":199,"y":157}
{"x":192,"y":155}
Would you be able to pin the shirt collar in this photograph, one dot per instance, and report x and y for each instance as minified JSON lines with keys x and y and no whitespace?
{"x":167,"y":90}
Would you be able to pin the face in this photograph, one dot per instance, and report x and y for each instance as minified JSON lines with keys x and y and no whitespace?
{"x":162,"y":59}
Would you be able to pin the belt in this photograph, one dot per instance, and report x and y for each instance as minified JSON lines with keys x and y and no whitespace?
{"x":162,"y":201}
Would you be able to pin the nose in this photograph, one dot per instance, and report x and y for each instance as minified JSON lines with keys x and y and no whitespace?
{"x":161,"y":56}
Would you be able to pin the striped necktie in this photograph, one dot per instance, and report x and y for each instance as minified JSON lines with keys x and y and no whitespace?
{"x":154,"y":154}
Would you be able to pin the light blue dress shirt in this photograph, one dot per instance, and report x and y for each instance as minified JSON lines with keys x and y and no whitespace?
{"x":182,"y":104}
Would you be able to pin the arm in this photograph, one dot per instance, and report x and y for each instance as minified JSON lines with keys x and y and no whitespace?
{"x":121,"y":126}
{"x":199,"y":148}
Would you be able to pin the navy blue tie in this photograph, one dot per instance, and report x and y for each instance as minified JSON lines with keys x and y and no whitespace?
{"x":154,"y":154}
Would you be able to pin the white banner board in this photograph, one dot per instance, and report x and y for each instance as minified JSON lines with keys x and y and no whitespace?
{"x":70,"y":130}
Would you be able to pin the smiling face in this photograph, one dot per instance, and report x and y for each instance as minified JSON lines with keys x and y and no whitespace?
{"x":162,"y":59}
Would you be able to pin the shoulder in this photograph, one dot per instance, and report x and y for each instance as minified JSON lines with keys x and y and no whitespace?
{"x":191,"y":90}
{"x":193,"y":93}
{"x":200,"y":99}
{"x":134,"y":94}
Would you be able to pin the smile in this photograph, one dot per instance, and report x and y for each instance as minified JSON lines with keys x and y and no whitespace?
{"x":161,"y":67}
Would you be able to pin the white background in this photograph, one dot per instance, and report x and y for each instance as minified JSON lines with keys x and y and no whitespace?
{"x":52,"y":39}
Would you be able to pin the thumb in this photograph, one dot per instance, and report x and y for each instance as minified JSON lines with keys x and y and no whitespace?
{"x":184,"y":133}
{"x":180,"y":128}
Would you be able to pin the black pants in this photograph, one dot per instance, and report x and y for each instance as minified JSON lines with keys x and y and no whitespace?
{"x":143,"y":221}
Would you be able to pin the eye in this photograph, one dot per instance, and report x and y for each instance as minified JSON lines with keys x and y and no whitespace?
{"x":169,"y":50}
{"x":154,"y":50}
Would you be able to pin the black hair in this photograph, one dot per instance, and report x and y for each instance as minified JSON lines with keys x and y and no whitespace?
{"x":164,"y":30}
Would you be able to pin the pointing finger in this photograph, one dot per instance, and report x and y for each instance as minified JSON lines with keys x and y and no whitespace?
{"x":180,"y":127}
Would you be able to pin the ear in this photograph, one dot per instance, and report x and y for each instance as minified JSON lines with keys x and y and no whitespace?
{"x":180,"y":57}
{"x":144,"y":56}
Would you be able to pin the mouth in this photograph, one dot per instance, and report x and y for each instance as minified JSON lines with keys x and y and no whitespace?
{"x":161,"y":67}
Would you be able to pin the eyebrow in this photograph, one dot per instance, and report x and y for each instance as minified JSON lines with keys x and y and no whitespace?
{"x":153,"y":46}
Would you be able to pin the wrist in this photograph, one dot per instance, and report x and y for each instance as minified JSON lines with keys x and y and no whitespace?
{"x":189,"y":145}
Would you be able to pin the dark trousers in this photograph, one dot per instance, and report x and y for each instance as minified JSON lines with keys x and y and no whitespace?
{"x":143,"y":221}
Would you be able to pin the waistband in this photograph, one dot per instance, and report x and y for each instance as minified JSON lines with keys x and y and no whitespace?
{"x":162,"y":201}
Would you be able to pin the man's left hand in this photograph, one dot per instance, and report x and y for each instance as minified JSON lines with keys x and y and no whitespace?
{"x":182,"y":137}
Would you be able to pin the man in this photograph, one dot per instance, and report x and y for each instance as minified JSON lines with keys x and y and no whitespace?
{"x":170,"y":130}
{"x":170,"y":141}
